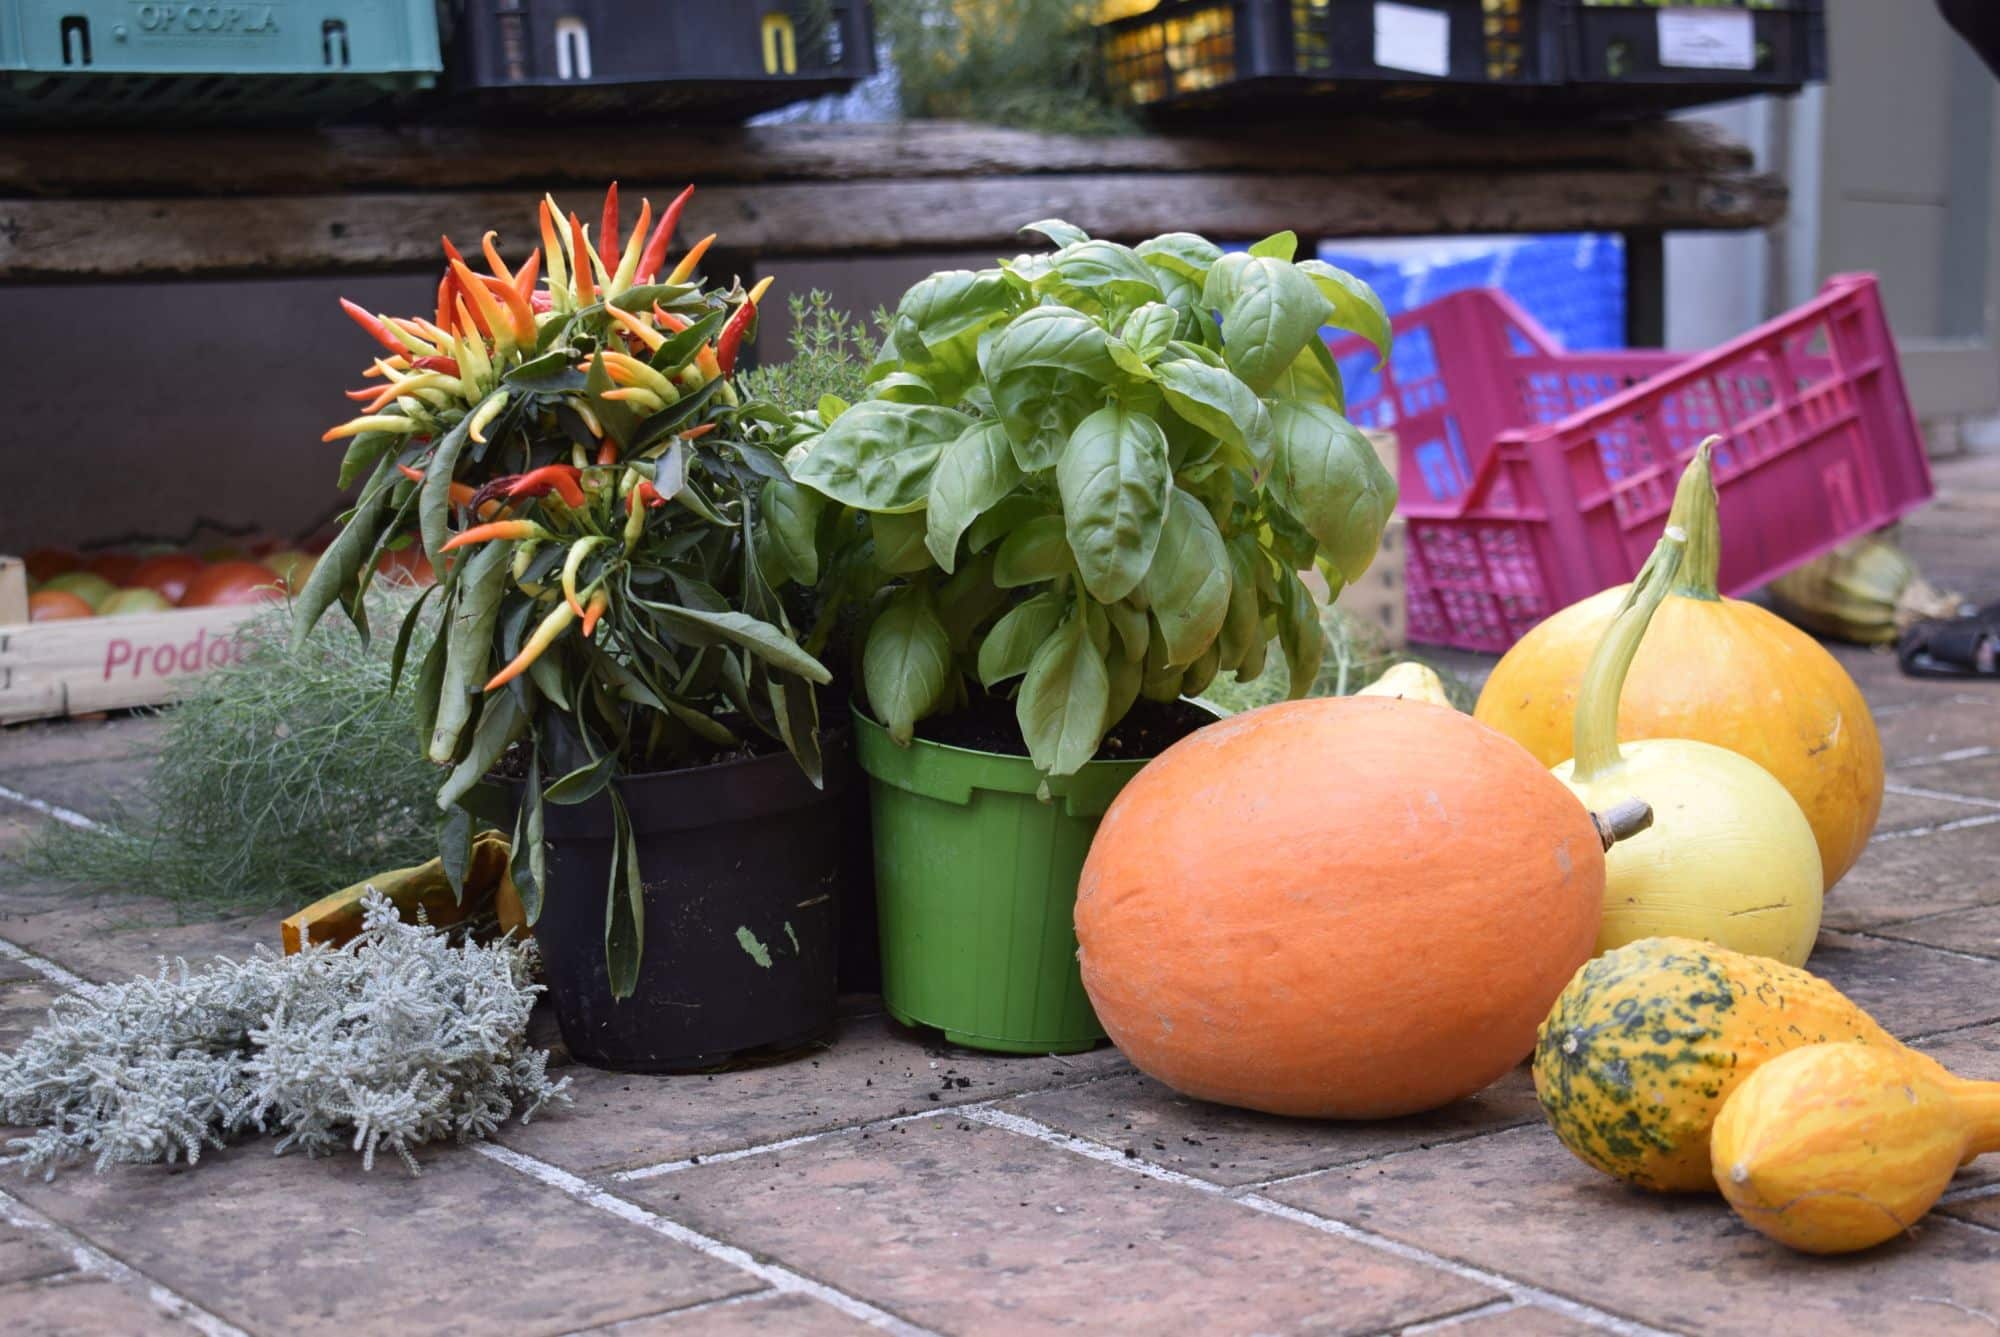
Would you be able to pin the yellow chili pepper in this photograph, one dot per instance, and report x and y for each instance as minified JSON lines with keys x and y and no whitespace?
{"x":545,"y":635}
{"x":573,"y":563}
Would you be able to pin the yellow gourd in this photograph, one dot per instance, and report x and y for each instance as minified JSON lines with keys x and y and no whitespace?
{"x":1838,"y":1147}
{"x":1718,"y":670}
{"x":1645,"y":1043}
{"x":1410,"y":681}
{"x":1730,"y":857}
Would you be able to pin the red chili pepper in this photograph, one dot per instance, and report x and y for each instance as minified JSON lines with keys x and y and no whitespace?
{"x":655,"y":253}
{"x":444,"y":317}
{"x":607,"y":451}
{"x":644,"y":493}
{"x":669,"y":320}
{"x":498,"y":529}
{"x":607,"y":234}
{"x":373,"y":325}
{"x":524,"y":278}
{"x":732,"y":336}
{"x":444,"y":365}
{"x":558,"y":478}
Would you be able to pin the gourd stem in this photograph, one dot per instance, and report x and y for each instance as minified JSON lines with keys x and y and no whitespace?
{"x":1622,"y":821}
{"x":1979,"y":1104}
{"x":1694,"y":511}
{"x":1604,"y":681}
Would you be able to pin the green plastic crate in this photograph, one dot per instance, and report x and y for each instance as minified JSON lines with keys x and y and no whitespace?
{"x":68,"y":62}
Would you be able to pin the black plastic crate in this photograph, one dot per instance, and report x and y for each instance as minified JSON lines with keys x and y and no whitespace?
{"x":692,"y":58}
{"x":1186,"y":54}
{"x":1656,"y":56}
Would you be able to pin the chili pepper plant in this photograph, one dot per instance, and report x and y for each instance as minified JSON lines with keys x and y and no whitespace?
{"x":557,"y":437}
{"x":1089,"y":476}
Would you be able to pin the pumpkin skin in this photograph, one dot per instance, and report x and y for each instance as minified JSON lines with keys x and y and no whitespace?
{"x":1834,"y":1148}
{"x":1714,"y":670}
{"x":1348,"y":908}
{"x":1640,"y":1051}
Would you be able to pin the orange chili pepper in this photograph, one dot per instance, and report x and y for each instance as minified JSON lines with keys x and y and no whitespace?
{"x":497,"y":529}
{"x":552,"y":626}
{"x":373,"y":324}
{"x":524,"y":278}
{"x":461,"y":493}
{"x":703,"y":430}
{"x":691,"y":259}
{"x":598,"y":603}
{"x":607,"y":451}
{"x":586,"y":284}
{"x":607,"y":234}
{"x":558,"y":478}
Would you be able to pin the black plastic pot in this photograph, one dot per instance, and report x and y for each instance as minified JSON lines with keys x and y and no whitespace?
{"x":743,"y":864}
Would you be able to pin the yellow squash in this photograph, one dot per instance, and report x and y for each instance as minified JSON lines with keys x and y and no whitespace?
{"x":1410,"y":681}
{"x":1838,"y":1147}
{"x":1633,"y":1063}
{"x":1730,"y":857}
{"x":1715,"y":670}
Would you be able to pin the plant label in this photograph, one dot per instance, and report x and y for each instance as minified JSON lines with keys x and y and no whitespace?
{"x":1409,"y":37}
{"x":1707,"y":39}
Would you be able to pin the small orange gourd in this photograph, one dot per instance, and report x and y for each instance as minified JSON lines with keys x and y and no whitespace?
{"x":1716,"y":671}
{"x":1838,"y":1147}
{"x":1351,"y":907}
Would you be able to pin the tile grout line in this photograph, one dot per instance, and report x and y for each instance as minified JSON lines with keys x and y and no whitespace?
{"x":775,"y":1275}
{"x":95,"y":1262}
{"x":41,"y":965}
{"x":643,"y":1172}
{"x":1279,"y":1181}
{"x":700,"y":1307}
{"x":1589,"y":1315}
{"x":1919,"y":791}
{"x":67,"y":816}
{"x":1450,"y":1321}
{"x":1939,"y":828}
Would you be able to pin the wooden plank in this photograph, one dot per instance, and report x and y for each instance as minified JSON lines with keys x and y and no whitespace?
{"x":13,"y":590}
{"x":102,"y":239}
{"x":112,"y":663}
{"x":234,"y":162}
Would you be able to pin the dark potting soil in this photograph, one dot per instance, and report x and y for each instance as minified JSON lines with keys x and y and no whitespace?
{"x":987,"y":724}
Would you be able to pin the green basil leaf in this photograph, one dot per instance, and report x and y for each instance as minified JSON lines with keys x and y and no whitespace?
{"x":1159,"y":680}
{"x":1216,"y":401}
{"x":966,"y":600}
{"x":1300,"y":632}
{"x":1108,"y":271}
{"x":1149,"y":329}
{"x":1129,"y":622}
{"x":1187,"y":586}
{"x":1355,"y":305}
{"x":1011,"y":645}
{"x":1278,"y":246}
{"x":1244,"y":624}
{"x":831,"y":406}
{"x":1313,"y":378}
{"x":1057,"y":231}
{"x":906,"y":662}
{"x":1036,"y":551}
{"x":1114,"y":479}
{"x":972,"y":475}
{"x":1329,"y":476}
{"x":902,"y":387}
{"x":1127,"y":674}
{"x":1202,"y":672}
{"x":955,"y":302}
{"x":878,"y":456}
{"x":1181,"y":253}
{"x":1270,"y":310}
{"x":1064,"y":699}
{"x":1039,"y":407}
{"x":1006,"y":517}
{"x":1291,"y":542}
{"x":899,"y":543}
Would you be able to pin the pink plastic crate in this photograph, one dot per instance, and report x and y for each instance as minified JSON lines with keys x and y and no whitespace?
{"x":1532,"y":477}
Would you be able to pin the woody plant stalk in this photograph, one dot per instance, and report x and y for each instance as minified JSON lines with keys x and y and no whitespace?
{"x":556,"y":435}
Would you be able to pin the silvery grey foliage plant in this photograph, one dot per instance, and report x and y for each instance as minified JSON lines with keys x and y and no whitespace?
{"x":399,"y":1038}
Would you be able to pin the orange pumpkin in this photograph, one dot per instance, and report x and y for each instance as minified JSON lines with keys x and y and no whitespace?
{"x":1352,"y":908}
{"x":1714,"y":670}
{"x":57,"y":606}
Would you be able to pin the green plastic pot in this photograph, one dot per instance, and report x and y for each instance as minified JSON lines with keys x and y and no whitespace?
{"x":975,"y":883}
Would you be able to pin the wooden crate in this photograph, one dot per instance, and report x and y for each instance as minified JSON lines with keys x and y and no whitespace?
{"x":50,"y":669}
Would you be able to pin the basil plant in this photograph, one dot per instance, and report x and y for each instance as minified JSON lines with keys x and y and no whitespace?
{"x":1090,"y":476}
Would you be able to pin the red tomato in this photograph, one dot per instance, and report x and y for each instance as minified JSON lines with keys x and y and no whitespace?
{"x":116,"y":567}
{"x":227,"y":583}
{"x":169,"y":573}
{"x":57,"y":606}
{"x":46,"y":562}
